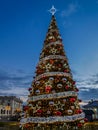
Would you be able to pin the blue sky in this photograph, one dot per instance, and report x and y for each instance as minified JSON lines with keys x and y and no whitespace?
{"x":23,"y":27}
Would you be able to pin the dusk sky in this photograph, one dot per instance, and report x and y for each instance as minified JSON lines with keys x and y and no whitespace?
{"x":23,"y":27}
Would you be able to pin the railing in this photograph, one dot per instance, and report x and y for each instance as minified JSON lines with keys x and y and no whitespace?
{"x":86,"y":127}
{"x":14,"y":126}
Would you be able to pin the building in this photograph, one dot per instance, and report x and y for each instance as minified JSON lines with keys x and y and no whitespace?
{"x":89,"y":114}
{"x":92,"y":105}
{"x":9,"y":106}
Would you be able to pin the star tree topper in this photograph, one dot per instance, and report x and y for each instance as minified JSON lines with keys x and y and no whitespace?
{"x":53,"y":10}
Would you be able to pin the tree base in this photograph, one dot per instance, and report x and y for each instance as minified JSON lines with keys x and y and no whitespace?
{"x":54,"y":128}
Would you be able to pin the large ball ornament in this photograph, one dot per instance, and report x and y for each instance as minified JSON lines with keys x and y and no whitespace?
{"x":51,"y":79}
{"x":37,"y":82}
{"x":37,"y":91}
{"x":51,"y":103}
{"x":64,"y":80}
{"x":59,"y":85}
{"x":69,"y":112}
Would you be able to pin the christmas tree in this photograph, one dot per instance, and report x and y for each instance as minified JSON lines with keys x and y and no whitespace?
{"x":53,"y":102}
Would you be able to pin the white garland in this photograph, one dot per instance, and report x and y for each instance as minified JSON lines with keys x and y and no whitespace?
{"x":52,"y":119}
{"x":51,"y":96}
{"x":52,"y":57}
{"x":52,"y":74}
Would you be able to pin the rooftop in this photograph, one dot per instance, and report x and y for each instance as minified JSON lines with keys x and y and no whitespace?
{"x":91,"y":104}
{"x":11,"y":98}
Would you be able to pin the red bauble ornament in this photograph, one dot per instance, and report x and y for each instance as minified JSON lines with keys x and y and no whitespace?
{"x":51,"y":61}
{"x":39,"y":112}
{"x":66,"y":70}
{"x":72,"y":99}
{"x":78,"y":111}
{"x":79,"y":125}
{"x":26,"y":108}
{"x":85,"y":119}
{"x":58,"y":113}
{"x":48,"y":89}
{"x":74,"y":82}
{"x":27,"y":126}
{"x":29,"y":89}
{"x":67,"y":87}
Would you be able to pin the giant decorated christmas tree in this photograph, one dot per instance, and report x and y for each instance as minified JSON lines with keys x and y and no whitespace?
{"x":53,"y":103}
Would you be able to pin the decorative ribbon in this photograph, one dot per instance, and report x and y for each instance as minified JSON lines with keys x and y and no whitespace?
{"x":52,"y":96}
{"x":52,"y":57}
{"x":52,"y":74}
{"x":52,"y":119}
{"x":53,"y":43}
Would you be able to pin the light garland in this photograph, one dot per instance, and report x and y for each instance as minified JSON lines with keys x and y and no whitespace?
{"x":52,"y":119}
{"x":53,"y":43}
{"x":53,"y":74}
{"x":52,"y":57}
{"x":52,"y":96}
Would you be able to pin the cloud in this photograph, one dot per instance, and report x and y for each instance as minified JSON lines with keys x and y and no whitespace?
{"x":72,"y":8}
{"x":15,"y":84}
{"x":21,"y":93}
{"x":89,"y":83}
{"x":15,"y":91}
{"x":88,"y":95}
{"x":88,"y":87}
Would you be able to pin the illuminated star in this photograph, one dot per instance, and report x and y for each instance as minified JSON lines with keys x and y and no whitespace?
{"x":53,"y":10}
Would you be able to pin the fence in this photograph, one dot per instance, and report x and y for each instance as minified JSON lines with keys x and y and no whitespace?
{"x":6,"y":126}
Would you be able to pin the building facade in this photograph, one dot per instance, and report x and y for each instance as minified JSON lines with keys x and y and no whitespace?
{"x":9,"y":106}
{"x":92,"y":105}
